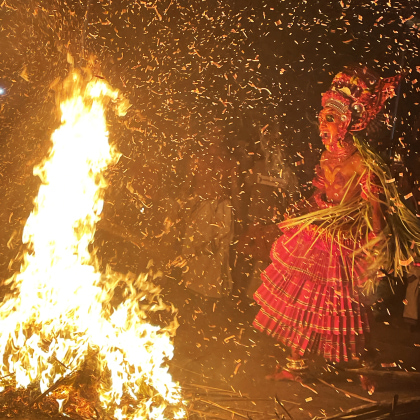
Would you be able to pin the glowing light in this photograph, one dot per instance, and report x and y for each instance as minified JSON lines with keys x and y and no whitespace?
{"x":60,"y":312}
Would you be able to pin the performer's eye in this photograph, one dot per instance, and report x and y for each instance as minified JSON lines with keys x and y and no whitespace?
{"x":330,"y":118}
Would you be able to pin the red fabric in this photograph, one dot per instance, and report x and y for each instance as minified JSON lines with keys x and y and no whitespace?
{"x":308,"y":300}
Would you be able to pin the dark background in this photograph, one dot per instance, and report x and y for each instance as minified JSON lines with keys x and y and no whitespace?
{"x":185,"y":64}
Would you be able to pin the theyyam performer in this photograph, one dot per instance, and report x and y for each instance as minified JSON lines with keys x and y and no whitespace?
{"x":337,"y":242}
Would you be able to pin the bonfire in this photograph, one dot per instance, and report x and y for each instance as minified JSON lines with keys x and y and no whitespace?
{"x":75,"y":341}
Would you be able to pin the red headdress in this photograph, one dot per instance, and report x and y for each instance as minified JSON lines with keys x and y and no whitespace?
{"x":359,"y":94}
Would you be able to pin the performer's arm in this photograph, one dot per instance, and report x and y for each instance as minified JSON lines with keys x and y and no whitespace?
{"x":319,"y":183}
{"x":378,"y":219}
{"x":371,"y":190}
{"x":316,"y":201}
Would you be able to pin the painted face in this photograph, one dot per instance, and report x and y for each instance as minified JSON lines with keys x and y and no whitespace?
{"x":332,"y":128}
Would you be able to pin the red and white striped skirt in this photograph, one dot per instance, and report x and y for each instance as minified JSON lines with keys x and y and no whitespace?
{"x":309,"y":297}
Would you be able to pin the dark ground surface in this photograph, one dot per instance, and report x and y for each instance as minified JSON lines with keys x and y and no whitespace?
{"x":221,"y":362}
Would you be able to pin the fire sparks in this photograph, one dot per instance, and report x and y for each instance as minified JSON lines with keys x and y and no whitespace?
{"x":62,"y":313}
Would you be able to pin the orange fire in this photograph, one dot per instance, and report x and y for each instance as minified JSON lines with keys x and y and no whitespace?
{"x":59,"y":312}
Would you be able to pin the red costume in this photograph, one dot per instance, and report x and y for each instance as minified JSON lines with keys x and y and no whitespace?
{"x":310,"y":296}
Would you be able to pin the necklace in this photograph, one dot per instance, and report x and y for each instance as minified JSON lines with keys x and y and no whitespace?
{"x":345,"y":150}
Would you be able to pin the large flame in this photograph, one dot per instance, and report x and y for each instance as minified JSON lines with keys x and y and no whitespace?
{"x":60,"y":313}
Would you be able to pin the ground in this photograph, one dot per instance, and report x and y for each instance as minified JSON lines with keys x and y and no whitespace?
{"x":221,"y":361}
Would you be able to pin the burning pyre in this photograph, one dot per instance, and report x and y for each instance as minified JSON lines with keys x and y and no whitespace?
{"x":61,"y":313}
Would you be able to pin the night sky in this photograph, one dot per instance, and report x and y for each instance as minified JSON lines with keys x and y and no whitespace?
{"x":185,"y":65}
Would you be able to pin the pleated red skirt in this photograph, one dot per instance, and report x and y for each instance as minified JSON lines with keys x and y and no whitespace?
{"x":309,"y":297}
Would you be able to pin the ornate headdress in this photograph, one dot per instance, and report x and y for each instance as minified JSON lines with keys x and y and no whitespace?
{"x":359,"y":94}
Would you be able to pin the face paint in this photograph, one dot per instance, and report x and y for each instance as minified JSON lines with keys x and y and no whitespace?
{"x":332,"y":128}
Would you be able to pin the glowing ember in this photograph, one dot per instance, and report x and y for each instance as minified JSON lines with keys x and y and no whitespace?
{"x":60,"y":314}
